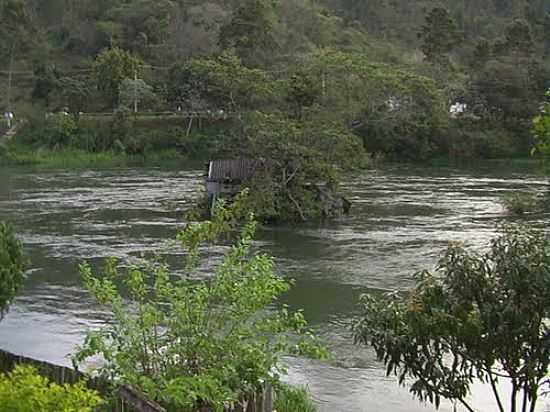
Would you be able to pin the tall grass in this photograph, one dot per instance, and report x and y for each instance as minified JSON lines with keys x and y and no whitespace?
{"x":293,"y":399}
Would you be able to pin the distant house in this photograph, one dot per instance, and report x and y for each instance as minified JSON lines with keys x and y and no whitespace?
{"x":457,"y":109}
{"x":226,"y":177}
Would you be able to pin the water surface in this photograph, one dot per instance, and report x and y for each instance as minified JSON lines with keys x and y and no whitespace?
{"x":401,"y":220}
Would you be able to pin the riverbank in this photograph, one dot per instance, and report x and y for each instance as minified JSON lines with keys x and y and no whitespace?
{"x":71,"y":158}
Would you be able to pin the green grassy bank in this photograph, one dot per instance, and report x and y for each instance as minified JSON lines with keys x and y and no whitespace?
{"x":71,"y":158}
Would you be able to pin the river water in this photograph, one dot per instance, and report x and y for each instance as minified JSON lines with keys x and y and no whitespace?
{"x":401,"y":220}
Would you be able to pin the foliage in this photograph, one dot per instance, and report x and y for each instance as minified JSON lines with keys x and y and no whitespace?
{"x":59,"y":131}
{"x":302,"y":92}
{"x":541,"y":129}
{"x":12,"y":265}
{"x":330,"y":61}
{"x":24,"y":390}
{"x":439,"y":36}
{"x":111,"y":67}
{"x":229,"y":84}
{"x":134,"y":92}
{"x":15,"y":27}
{"x":291,"y":399}
{"x":303,"y":161}
{"x":481,"y":316}
{"x":519,"y":203}
{"x":250,"y":31}
{"x":189,"y":344}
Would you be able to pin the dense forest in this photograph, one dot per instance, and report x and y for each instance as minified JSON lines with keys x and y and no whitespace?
{"x":387,"y":70}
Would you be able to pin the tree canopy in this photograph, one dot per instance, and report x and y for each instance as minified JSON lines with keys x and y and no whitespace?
{"x":479,"y":317}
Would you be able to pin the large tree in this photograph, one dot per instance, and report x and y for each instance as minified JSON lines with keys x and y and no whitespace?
{"x":111,"y":67}
{"x":250,"y":31}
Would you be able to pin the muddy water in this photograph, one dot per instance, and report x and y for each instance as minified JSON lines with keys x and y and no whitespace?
{"x":402,"y":219}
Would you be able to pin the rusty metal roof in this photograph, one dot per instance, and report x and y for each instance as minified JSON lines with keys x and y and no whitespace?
{"x":234,"y":169}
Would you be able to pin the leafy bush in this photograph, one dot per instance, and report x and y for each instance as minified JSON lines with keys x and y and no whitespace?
{"x":189,"y":344}
{"x":519,"y":203}
{"x":12,"y":264}
{"x":24,"y":390}
{"x":292,"y":399}
{"x":479,"y":317}
{"x":60,"y":130}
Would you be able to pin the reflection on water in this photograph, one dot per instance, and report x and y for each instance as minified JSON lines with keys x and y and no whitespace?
{"x":401,"y":221}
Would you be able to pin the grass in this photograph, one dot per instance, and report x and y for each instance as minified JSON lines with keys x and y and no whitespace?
{"x":293,"y":399}
{"x":70,"y":158}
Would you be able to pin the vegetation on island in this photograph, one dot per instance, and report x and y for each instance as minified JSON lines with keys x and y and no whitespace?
{"x":480,"y":316}
{"x":189,"y":344}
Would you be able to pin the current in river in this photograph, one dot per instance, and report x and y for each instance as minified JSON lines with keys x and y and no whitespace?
{"x":401,"y":221}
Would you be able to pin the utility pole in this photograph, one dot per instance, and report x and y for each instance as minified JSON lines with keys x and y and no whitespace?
{"x":10,"y":75}
{"x":135,"y":91}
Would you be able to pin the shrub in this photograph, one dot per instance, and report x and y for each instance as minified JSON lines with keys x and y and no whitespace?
{"x":480,"y":317}
{"x":189,"y":344}
{"x":292,"y":399}
{"x":518,"y":203}
{"x":24,"y":390}
{"x":12,"y":263}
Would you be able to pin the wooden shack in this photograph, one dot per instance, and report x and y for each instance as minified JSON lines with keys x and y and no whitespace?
{"x":225,"y":178}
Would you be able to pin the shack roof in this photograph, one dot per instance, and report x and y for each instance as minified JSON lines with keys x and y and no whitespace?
{"x":235,"y":170}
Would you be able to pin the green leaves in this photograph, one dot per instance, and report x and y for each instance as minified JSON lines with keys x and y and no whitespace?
{"x":111,"y":67}
{"x":189,"y":344}
{"x":479,"y":316}
{"x":25,"y":390}
{"x":12,"y":265}
{"x":541,"y":129}
{"x":440,"y":35}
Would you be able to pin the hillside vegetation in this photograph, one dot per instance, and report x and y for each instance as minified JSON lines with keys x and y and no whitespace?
{"x":383,"y":72}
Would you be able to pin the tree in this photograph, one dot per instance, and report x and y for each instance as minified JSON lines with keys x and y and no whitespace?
{"x":541,"y":128}
{"x":111,"y":67}
{"x":249,"y":31}
{"x":46,"y":78}
{"x":304,"y":161}
{"x":518,"y":39}
{"x":439,"y":35}
{"x":482,"y":54}
{"x":511,"y":80}
{"x":12,"y":265}
{"x":188,"y":87}
{"x":144,"y":22}
{"x":546,"y":34}
{"x":15,"y":32}
{"x":226,"y":83}
{"x":302,"y":92}
{"x":74,"y":93}
{"x":134,"y":91}
{"x":190,"y":344}
{"x":480,"y":316}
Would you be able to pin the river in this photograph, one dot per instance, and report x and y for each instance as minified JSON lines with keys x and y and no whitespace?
{"x":402,"y":218}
